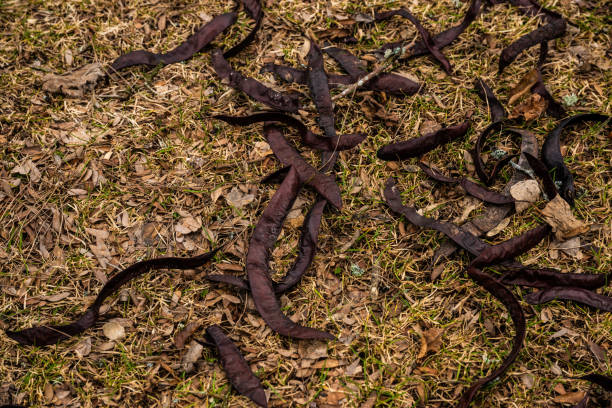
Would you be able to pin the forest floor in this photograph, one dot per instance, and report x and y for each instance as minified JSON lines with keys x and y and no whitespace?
{"x":138,"y":168}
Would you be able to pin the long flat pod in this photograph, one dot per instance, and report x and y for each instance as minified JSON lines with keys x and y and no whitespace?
{"x":186,"y":50}
{"x":442,"y":39}
{"x":485,"y":93}
{"x":505,"y":296}
{"x":236,"y":368}
{"x":541,"y":172}
{"x":426,"y":37}
{"x":580,"y":295}
{"x":391,"y":83}
{"x":420,"y":145}
{"x":343,"y":142}
{"x":548,"y":278}
{"x":323,"y":183}
{"x":306,"y":250}
{"x":554,"y":29}
{"x":461,"y":237}
{"x":252,"y":87}
{"x":261,"y":243}
{"x":473,"y":189}
{"x":319,"y":88}
{"x":253,"y":9}
{"x":476,"y":153}
{"x":511,"y":248}
{"x":494,"y":214}
{"x":46,"y":335}
{"x":552,"y":157}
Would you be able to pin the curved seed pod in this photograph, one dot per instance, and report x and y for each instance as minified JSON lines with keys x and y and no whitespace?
{"x":319,"y":88}
{"x":486,"y":94}
{"x":253,"y":9}
{"x":476,"y":153}
{"x":494,"y":214}
{"x":323,"y":183}
{"x":237,"y":369}
{"x":310,"y":139}
{"x":391,"y":83}
{"x":554,"y":108}
{"x":579,"y":295}
{"x":547,"y":278}
{"x":429,"y":42}
{"x":307,"y":248}
{"x":552,"y":157}
{"x":46,"y":335}
{"x":554,"y":29}
{"x":511,"y":248}
{"x":520,"y":328}
{"x":263,"y":239}
{"x":461,"y":237}
{"x":350,"y":63}
{"x":444,"y":38}
{"x":601,"y":380}
{"x":469,"y":186}
{"x":253,"y":88}
{"x":420,"y":145}
{"x":541,"y":172}
{"x":186,"y":50}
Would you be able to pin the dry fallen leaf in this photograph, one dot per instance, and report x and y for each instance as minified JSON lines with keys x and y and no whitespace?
{"x":524,"y":85}
{"x":530,"y":109}
{"x":433,"y":337}
{"x":113,"y":331}
{"x":558,"y":215}
{"x":499,"y":228}
{"x":75,"y":83}
{"x":525,"y":193}
{"x":236,"y":198}
{"x":83,"y":348}
{"x":570,"y":397}
{"x":191,"y":356}
{"x":570,"y":247}
{"x":182,"y":336}
{"x":188,"y":225}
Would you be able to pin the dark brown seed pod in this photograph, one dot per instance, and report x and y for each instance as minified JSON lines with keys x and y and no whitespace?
{"x":253,"y":88}
{"x":46,"y":335}
{"x":508,"y":299}
{"x":485,"y":93}
{"x":186,"y":50}
{"x":552,"y":157}
{"x":263,"y":239}
{"x":253,"y":9}
{"x":288,"y":156}
{"x":541,"y":172}
{"x":420,"y":145}
{"x":548,"y":278}
{"x":319,"y":89}
{"x":343,"y":142}
{"x":462,"y":238}
{"x":236,"y":368}
{"x":580,"y":295}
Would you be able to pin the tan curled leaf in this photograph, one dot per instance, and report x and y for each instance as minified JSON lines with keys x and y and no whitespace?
{"x":74,"y":84}
{"x":558,"y":215}
{"x":182,"y":336}
{"x":236,"y":198}
{"x":191,"y":356}
{"x":188,"y":225}
{"x":499,"y":227}
{"x":524,"y":85}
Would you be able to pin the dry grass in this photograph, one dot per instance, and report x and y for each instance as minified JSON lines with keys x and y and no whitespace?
{"x":154,"y":158}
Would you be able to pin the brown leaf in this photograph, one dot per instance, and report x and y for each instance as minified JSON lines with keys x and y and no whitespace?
{"x":530,"y":109}
{"x":74,"y":84}
{"x":56,"y":298}
{"x":83,"y":348}
{"x":236,"y":198}
{"x":597,"y":351}
{"x":182,"y":336}
{"x":525,"y":193}
{"x":524,"y":85}
{"x":570,"y":397}
{"x":113,"y":330}
{"x":188,"y":225}
{"x":433,"y":337}
{"x":191,"y":356}
{"x":558,"y":215}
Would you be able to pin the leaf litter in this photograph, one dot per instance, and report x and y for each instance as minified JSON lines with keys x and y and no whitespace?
{"x":575,"y":287}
